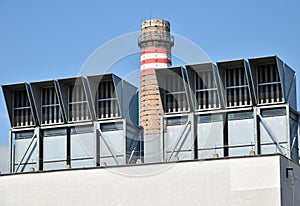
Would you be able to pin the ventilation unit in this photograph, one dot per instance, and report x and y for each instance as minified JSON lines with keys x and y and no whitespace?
{"x":207,"y":97}
{"x":20,"y":105}
{"x":275,"y":81}
{"x":177,"y":130}
{"x":23,"y":119}
{"x":236,"y":83}
{"x":115,"y":103}
{"x":70,"y":123}
{"x":173,"y":90}
{"x":204,"y":84}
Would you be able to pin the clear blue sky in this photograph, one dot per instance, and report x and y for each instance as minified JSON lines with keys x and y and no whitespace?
{"x":41,"y":40}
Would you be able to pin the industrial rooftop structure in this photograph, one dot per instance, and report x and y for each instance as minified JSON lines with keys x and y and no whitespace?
{"x":231,"y":126}
{"x":234,"y":108}
{"x":83,"y":122}
{"x":231,"y":108}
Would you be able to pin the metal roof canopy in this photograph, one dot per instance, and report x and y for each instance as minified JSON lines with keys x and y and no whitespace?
{"x":64,"y":85}
{"x":172,"y":73}
{"x":8,"y":91}
{"x":126,"y":94}
{"x":37,"y":93}
{"x":194,"y":70}
{"x":222,"y":66}
{"x":286,"y":74}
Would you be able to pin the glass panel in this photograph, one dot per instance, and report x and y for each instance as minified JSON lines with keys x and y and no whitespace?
{"x":210,"y":118}
{"x":54,"y":132}
{"x":176,"y":121}
{"x":273,"y":112}
{"x":111,"y":127}
{"x":240,"y":115}
{"x":27,"y":134}
{"x":82,"y":129}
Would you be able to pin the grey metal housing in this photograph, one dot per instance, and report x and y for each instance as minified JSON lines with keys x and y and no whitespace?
{"x":176,"y":131}
{"x":236,"y":108}
{"x":58,"y":128}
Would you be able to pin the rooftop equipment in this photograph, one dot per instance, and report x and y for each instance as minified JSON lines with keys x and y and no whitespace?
{"x":177,"y":124}
{"x":235,"y":108}
{"x":208,"y":100}
{"x":73,"y":123}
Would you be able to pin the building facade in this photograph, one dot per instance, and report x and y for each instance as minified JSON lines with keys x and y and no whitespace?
{"x":270,"y":180}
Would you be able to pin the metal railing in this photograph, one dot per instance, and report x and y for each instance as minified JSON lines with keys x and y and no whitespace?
{"x":156,"y":36}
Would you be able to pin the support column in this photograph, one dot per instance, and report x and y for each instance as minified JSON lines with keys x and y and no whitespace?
{"x":124,"y":142}
{"x":256,"y":113}
{"x":11,"y":151}
{"x":162,"y":134}
{"x":194,"y":135}
{"x":287,"y":107}
{"x":225,"y":135}
{"x":69,"y":146}
{"x":40,"y":149}
{"x":97,"y":143}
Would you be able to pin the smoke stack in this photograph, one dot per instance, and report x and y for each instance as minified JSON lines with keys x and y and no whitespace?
{"x":155,"y":43}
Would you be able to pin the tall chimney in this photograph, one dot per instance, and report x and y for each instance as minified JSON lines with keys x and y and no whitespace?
{"x":155,"y":43}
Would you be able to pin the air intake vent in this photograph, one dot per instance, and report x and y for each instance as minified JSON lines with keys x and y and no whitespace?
{"x":268,"y":84}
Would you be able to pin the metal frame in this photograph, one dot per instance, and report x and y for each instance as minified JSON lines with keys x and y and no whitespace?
{"x":180,"y":139}
{"x":287,"y":128}
{"x":64,"y":85}
{"x":37,"y":88}
{"x":194,"y":70}
{"x":179,"y":73}
{"x":122,"y":89}
{"x":126,"y":96}
{"x":8,"y":91}
{"x":252,"y":88}
{"x":222,"y":68}
{"x":33,"y":90}
{"x":286,"y":74}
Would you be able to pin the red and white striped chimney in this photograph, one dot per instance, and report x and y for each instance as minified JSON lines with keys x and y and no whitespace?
{"x":155,"y":43}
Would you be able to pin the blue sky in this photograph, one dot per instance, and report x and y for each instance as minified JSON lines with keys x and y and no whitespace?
{"x":41,"y":40}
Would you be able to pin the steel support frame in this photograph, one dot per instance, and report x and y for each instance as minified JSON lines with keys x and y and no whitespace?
{"x":288,"y":129}
{"x":225,"y":135}
{"x":97,"y":142}
{"x":108,"y":147}
{"x":39,"y":152}
{"x":99,"y":135}
{"x":298,"y":132}
{"x":193,"y":128}
{"x":40,"y":144}
{"x":162,"y":144}
{"x":11,"y":152}
{"x":257,"y":147}
{"x":124,"y":141}
{"x":260,"y":121}
{"x":34,"y":137}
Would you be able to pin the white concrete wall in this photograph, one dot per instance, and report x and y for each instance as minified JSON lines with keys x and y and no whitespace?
{"x":227,"y":182}
{"x":4,"y":159}
{"x":290,"y":187}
